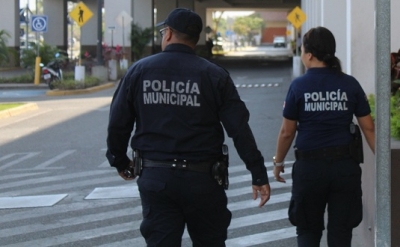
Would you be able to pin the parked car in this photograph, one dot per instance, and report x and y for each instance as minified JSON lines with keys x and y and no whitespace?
{"x":279,"y":41}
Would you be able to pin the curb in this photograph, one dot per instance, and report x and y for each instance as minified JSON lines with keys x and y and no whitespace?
{"x":79,"y":91}
{"x":18,"y":110}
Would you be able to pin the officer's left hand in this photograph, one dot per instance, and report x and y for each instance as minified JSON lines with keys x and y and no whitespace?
{"x":277,"y":172}
{"x":265,"y":193}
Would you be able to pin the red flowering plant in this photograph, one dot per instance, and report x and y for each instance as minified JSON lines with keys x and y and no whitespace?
{"x":110,"y":52}
{"x":87,"y":55}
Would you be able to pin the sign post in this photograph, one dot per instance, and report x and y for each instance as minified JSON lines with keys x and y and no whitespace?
{"x":296,"y":17}
{"x":124,"y":19}
{"x":80,"y":14}
{"x":38,"y":24}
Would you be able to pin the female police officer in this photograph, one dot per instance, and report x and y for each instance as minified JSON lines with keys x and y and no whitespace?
{"x":177,"y":102}
{"x":320,"y":105}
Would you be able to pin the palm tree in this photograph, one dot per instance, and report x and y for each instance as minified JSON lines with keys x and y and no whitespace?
{"x":139,"y":39}
{"x":4,"y":51}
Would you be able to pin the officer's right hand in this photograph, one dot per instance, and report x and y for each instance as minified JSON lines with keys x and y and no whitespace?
{"x":128,"y":173}
{"x":265,"y":193}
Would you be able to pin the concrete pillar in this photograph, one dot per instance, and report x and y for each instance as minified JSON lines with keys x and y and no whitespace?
{"x":89,"y":30}
{"x":189,"y":4}
{"x":338,"y":27}
{"x":10,"y":11}
{"x":57,"y":30}
{"x":362,"y":59}
{"x":163,"y":8}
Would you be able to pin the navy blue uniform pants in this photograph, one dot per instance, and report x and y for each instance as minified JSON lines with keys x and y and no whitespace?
{"x":321,"y":183}
{"x":172,"y":199}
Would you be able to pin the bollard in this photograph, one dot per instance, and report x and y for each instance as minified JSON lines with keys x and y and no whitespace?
{"x":37,"y":71}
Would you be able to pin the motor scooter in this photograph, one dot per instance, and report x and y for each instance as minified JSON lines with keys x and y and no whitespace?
{"x":52,"y":72}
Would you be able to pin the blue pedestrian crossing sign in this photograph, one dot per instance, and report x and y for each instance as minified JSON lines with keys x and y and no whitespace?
{"x":39,"y":23}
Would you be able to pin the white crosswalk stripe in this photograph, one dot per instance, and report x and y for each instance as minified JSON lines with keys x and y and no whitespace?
{"x":95,"y":208}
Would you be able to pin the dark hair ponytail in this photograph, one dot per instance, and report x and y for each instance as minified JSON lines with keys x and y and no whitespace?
{"x":321,"y":43}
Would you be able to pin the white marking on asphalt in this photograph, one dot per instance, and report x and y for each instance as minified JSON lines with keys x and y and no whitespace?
{"x":255,"y":219}
{"x":258,"y":218}
{"x":70,"y":221}
{"x":247,"y":177}
{"x":73,"y":208}
{"x":25,"y":157}
{"x":34,"y":183}
{"x":114,"y":192}
{"x":105,"y":164}
{"x":30,"y":201}
{"x":257,"y":85}
{"x":285,"y":197}
{"x":6,"y":157}
{"x":261,"y":238}
{"x":248,"y":190}
{"x":68,"y":238}
{"x":55,"y":159}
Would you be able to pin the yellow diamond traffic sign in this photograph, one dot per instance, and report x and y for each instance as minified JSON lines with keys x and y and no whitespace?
{"x":297,"y":17}
{"x":81,"y":14}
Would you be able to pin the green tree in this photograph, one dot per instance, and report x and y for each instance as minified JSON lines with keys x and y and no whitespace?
{"x":4,"y":50}
{"x":219,"y":23}
{"x":139,"y":39}
{"x":248,"y":25}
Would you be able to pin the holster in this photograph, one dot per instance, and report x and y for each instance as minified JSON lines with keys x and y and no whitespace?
{"x":356,"y":146}
{"x":137,"y":162}
{"x":220,"y":169}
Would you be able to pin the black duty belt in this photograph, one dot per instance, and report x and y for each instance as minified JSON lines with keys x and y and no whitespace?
{"x":324,"y":153}
{"x":180,"y":164}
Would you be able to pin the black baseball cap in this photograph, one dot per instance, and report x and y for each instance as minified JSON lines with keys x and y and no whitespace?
{"x":184,"y":21}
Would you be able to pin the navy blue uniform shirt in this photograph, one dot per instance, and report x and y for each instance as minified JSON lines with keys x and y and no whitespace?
{"x":177,"y":102}
{"x":323,"y":102}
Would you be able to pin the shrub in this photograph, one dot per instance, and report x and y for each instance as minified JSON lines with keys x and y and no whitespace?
{"x":394,"y":113}
{"x":47,"y":54}
{"x":26,"y":78}
{"x":4,"y":50}
{"x":69,"y":83}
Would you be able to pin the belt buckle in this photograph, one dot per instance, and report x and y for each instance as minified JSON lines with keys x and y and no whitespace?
{"x":177,"y":164}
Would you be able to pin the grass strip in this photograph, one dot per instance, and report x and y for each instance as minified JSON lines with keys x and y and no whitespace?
{"x":6,"y":106}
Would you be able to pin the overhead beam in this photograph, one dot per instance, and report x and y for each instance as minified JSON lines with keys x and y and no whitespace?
{"x":264,"y":3}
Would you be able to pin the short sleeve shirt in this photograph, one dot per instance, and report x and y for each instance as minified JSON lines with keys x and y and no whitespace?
{"x":323,"y":102}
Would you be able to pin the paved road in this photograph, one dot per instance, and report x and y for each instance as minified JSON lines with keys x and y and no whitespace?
{"x":57,"y":189}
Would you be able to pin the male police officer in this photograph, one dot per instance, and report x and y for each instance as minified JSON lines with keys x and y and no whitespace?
{"x":177,"y":101}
